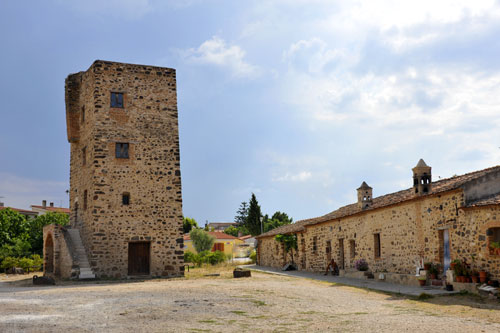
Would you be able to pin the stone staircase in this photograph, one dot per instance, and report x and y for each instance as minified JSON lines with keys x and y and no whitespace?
{"x":81,"y":255}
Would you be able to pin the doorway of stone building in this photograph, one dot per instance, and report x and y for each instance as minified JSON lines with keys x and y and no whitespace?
{"x":328,"y":251}
{"x":303,"y":252}
{"x":341,"y":253}
{"x":138,"y":258}
{"x":444,"y":248}
{"x":49,"y":255}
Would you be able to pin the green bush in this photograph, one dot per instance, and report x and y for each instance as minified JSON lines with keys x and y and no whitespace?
{"x":37,"y":260}
{"x":9,"y":262}
{"x":253,"y":256}
{"x":25,"y":263}
{"x":189,"y":256}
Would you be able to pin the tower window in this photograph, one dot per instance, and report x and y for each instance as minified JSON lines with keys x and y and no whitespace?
{"x":126,"y":198}
{"x":116,"y":100}
{"x":84,"y":155}
{"x":352,"y":248}
{"x":85,"y":200}
{"x":376,"y":245}
{"x":83,"y":113}
{"x":121,"y":150}
{"x":315,"y":244}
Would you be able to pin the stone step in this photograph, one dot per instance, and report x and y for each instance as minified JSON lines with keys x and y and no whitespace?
{"x":81,"y":254}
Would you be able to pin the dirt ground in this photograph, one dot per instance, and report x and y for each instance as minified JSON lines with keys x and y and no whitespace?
{"x":262,"y":303}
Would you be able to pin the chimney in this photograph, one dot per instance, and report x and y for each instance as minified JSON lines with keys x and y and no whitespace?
{"x":44,"y":203}
{"x":51,"y":204}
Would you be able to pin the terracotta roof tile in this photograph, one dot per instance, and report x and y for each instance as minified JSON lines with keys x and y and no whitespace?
{"x":24,"y":211}
{"x":54,"y":209}
{"x":439,"y":186}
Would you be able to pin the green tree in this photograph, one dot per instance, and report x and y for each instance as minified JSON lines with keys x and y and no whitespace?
{"x":12,"y":226}
{"x":35,"y":228}
{"x":252,"y":223}
{"x":242,"y":214}
{"x":233,"y":231}
{"x":289,"y":242}
{"x":277,"y":220}
{"x":188,"y":224}
{"x":202,"y":241}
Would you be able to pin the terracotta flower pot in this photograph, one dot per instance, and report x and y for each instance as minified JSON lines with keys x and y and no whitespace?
{"x":433,"y":276}
{"x":497,"y":251}
{"x":482,"y":276}
{"x":452,"y":265}
{"x":427,"y":266}
{"x":474,"y":279}
{"x":460,"y":279}
{"x":422,"y":282}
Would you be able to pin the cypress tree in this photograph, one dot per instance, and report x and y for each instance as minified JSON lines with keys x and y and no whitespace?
{"x":252,"y":222}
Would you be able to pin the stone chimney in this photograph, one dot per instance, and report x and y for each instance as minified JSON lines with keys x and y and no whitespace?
{"x":422,"y":178}
{"x":51,"y":204}
{"x":44,"y":203}
{"x":364,"y":196}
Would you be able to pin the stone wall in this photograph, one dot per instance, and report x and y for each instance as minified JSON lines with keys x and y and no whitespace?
{"x":151,"y":174}
{"x":408,"y":232}
{"x":59,"y":261}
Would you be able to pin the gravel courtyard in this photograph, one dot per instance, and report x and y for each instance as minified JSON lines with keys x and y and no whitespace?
{"x":262,"y":303}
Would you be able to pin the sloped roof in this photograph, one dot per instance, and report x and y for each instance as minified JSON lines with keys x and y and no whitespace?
{"x":217,"y":235}
{"x":421,"y":163}
{"x":494,"y":200}
{"x":439,"y":186}
{"x":22,"y":211}
{"x":54,"y":209}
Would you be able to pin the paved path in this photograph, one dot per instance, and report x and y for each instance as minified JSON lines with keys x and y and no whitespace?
{"x":371,"y":284}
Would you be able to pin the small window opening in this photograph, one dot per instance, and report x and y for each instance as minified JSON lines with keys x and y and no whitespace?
{"x":85,"y":200}
{"x":493,"y":239}
{"x":126,"y":198}
{"x":426,"y":190}
{"x":315,"y":244}
{"x":83,"y":113}
{"x":116,"y":100}
{"x":121,"y":150}
{"x":376,"y":245}
{"x":84,"y":155}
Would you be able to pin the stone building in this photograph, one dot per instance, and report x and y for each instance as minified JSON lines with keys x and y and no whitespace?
{"x":434,"y":221}
{"x":125,"y":182}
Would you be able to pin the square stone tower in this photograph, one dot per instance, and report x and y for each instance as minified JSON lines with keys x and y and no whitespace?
{"x":125,"y":181}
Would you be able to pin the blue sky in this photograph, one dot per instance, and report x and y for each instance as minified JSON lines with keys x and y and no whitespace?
{"x":297,"y":101}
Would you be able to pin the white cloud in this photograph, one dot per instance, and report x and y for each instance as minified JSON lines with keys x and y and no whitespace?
{"x":216,"y":52}
{"x":289,"y":177}
{"x":20,"y":192}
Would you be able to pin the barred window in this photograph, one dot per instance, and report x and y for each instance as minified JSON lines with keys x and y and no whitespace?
{"x":121,"y":150}
{"x":116,"y":100}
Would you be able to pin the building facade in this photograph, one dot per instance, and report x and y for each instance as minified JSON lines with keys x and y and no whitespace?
{"x":455,"y":218}
{"x":125,"y":182}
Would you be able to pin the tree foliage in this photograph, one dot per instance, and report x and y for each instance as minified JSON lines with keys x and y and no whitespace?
{"x":252,"y":223}
{"x":241,"y":214}
{"x":188,"y":224}
{"x":233,"y":231}
{"x":202,"y":241}
{"x":12,"y":226}
{"x":35,"y":228}
{"x":277,"y":220}
{"x":289,"y":242}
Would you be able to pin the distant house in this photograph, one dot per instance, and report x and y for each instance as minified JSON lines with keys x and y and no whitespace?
{"x":43,"y":209}
{"x":223,"y":242}
{"x":27,"y":213}
{"x":220,"y":226}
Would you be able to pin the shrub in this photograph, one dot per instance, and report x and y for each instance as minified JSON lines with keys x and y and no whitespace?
{"x":9,"y":262}
{"x":37,"y":260}
{"x":202,"y":241}
{"x":25,"y":263}
{"x":189,"y":256}
{"x":361,"y":265}
{"x":253,"y":256}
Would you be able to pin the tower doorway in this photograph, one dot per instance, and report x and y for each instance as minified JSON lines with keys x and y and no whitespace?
{"x":138,"y":258}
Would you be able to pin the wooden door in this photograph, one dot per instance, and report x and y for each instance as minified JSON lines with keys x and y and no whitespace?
{"x":328,"y":251}
{"x":341,"y":253}
{"x":138,"y":258}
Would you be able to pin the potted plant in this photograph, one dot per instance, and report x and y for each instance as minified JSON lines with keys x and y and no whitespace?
{"x":483,"y":276}
{"x":457,"y":269}
{"x":422,"y":280}
{"x":454,"y":263}
{"x":361,"y":265}
{"x":495,"y":246}
{"x":427,"y":266}
{"x":433,"y":271}
{"x":474,"y":275}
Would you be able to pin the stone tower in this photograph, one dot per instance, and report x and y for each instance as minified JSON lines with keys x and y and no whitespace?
{"x":125,"y":181}
{"x":422,"y":178}
{"x":364,"y":196}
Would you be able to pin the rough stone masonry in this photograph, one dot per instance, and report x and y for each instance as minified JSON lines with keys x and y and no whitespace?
{"x":125,"y":181}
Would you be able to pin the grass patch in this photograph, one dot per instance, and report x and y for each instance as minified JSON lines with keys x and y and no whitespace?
{"x":238,"y":312}
{"x":424,"y":296}
{"x":258,"y":303}
{"x":208,"y":321}
{"x":308,"y":312}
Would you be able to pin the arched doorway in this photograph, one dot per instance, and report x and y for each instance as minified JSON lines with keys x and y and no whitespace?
{"x":48,"y":251}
